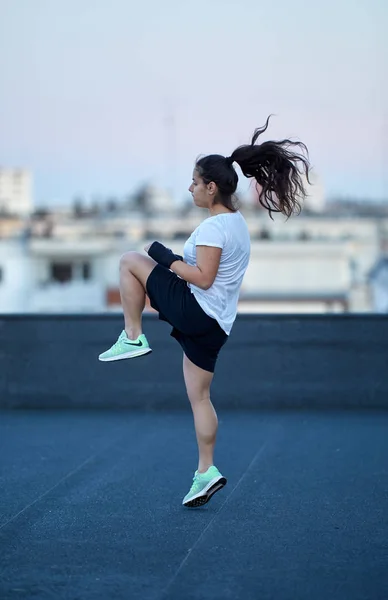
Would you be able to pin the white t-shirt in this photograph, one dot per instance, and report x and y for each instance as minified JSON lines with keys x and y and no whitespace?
{"x":228,"y":231}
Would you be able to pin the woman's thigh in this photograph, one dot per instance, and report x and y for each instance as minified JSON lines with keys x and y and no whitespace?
{"x":197,"y":380}
{"x":139,"y":265}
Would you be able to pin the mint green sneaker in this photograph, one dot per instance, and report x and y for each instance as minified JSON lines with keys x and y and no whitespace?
{"x":204,"y":486}
{"x":125,"y":348}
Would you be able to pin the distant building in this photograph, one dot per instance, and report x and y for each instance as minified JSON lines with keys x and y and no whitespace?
{"x":379,"y":285}
{"x":315,"y":202}
{"x":316,"y":262}
{"x":150,"y":199}
{"x":15,"y":192}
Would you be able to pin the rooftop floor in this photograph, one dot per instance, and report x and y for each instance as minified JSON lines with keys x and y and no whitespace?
{"x":90,"y":507}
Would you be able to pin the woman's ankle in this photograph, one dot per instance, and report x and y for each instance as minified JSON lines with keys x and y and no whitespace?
{"x":133,"y":332}
{"x":202,"y":468}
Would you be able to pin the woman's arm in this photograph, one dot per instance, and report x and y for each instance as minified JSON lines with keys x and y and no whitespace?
{"x":204,"y":273}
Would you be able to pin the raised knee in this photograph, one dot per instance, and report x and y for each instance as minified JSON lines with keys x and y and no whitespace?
{"x":128,"y":259}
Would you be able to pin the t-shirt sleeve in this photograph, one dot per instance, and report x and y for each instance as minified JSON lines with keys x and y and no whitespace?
{"x":210,"y":234}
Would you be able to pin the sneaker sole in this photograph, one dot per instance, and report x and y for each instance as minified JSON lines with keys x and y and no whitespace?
{"x":132,"y":354}
{"x":204,"y":496}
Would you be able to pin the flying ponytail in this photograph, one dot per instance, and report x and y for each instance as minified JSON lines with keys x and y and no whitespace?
{"x":277,"y":168}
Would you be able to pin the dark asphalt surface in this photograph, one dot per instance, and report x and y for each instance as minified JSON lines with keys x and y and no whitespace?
{"x":90,"y":507}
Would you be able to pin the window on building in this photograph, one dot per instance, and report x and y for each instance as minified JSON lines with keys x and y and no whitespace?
{"x":61,"y":272}
{"x":264,"y":234}
{"x":86,"y":271}
{"x":178,"y":235}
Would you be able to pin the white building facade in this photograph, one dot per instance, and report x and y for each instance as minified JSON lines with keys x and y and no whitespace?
{"x":15,"y":191}
{"x":313,"y":264}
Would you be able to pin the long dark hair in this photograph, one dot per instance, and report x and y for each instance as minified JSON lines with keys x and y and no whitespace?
{"x":276,"y":166}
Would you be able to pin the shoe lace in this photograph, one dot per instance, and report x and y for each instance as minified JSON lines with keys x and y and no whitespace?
{"x":118,"y":342}
{"x":195,"y":485}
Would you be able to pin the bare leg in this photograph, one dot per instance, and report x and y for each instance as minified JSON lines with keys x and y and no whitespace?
{"x":133,"y":301}
{"x":198,"y":383}
{"x":134,"y":271}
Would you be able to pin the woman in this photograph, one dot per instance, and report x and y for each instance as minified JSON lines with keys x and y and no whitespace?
{"x":198,"y":293}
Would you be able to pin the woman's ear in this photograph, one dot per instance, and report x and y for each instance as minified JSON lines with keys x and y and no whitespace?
{"x":212,"y":188}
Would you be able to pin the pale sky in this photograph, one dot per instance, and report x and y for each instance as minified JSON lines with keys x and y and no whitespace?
{"x":86,"y":86}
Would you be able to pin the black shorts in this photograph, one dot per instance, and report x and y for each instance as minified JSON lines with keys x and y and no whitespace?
{"x":200,"y":336}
